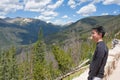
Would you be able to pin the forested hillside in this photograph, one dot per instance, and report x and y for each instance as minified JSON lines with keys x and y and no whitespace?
{"x":23,"y":31}
{"x":51,"y":56}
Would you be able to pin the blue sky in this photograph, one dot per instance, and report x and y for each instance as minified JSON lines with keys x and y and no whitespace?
{"x":58,"y":11}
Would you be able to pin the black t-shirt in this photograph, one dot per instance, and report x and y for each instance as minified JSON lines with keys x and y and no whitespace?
{"x":98,"y":62}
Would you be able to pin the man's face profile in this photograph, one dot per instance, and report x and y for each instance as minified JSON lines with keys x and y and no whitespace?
{"x":95,"y":35}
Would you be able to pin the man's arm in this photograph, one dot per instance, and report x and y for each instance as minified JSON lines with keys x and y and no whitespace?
{"x":96,"y":64}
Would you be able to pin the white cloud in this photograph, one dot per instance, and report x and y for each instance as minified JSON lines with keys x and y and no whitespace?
{"x":57,"y":4}
{"x":105,"y":14}
{"x":115,"y":12}
{"x":2,"y":13}
{"x":7,"y":6}
{"x":58,"y":22}
{"x":96,"y":1}
{"x":74,"y":3}
{"x":87,"y":10}
{"x":45,"y":7}
{"x":44,"y":18}
{"x":41,"y":5}
{"x":2,"y":16}
{"x":65,"y":16}
{"x":49,"y":13}
{"x":35,"y":5}
{"x":69,"y":22}
{"x":107,"y":2}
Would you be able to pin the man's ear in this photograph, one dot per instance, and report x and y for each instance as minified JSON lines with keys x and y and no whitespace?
{"x":100,"y":34}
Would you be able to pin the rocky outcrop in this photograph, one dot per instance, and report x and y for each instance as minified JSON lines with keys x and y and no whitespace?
{"x":113,"y":58}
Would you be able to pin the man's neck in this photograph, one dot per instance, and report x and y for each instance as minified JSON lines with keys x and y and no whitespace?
{"x":100,"y":40}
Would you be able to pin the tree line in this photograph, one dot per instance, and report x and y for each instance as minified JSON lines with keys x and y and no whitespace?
{"x":35,"y":66}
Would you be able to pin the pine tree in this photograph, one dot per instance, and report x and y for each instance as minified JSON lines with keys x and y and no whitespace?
{"x":26,"y":65}
{"x":1,"y":64}
{"x":14,"y":64}
{"x":40,"y":69}
{"x":64,"y":60}
{"x":9,"y":67}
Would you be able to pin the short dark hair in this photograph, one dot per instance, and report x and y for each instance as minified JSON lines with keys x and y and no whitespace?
{"x":100,"y":29}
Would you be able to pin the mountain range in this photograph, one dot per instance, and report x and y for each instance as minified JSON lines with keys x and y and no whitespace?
{"x":81,"y":28}
{"x":23,"y":31}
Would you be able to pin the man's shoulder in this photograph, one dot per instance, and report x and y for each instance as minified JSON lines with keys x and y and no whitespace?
{"x":102,"y":46}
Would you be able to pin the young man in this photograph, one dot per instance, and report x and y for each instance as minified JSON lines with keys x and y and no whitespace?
{"x":100,"y":55}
